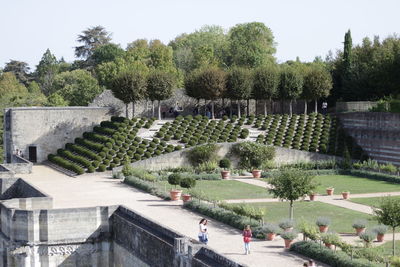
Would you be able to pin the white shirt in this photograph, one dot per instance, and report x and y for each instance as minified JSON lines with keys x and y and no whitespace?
{"x":203,"y":229}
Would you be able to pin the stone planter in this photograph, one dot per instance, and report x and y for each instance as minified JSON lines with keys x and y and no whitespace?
{"x":346,"y":195}
{"x":270,"y":236}
{"x":256,"y":173}
{"x":186,"y":197}
{"x":329,"y":191}
{"x":380,"y":237}
{"x":225,"y":174}
{"x":288,"y":243}
{"x":360,"y":230}
{"x":175,"y":194}
{"x":323,"y":228}
{"x":312,"y":196}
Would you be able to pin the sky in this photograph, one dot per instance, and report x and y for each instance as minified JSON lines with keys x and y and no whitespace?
{"x":306,"y":28}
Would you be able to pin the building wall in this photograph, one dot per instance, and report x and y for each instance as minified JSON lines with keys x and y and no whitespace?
{"x":47,"y":128}
{"x":378,"y":133}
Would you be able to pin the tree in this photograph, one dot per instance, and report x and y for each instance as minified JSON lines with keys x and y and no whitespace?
{"x":78,"y":87}
{"x":91,"y":38}
{"x":291,"y":184}
{"x":160,"y":85}
{"x":291,"y":84}
{"x":266,"y":82}
{"x":161,"y":56}
{"x":130,"y":86}
{"x":317,"y":84}
{"x":106,"y":53}
{"x":56,"y":100}
{"x":212,"y":81}
{"x":192,"y":88}
{"x":388,"y":213}
{"x":46,"y":70}
{"x":20,"y":70}
{"x":251,"y":45}
{"x":239,"y":85}
{"x":347,"y":62}
{"x":9,"y":85}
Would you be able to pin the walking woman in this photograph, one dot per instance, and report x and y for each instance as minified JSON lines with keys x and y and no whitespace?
{"x":247,"y":239}
{"x":203,"y":235}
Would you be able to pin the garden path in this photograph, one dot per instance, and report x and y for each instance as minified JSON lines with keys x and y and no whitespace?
{"x":97,"y":189}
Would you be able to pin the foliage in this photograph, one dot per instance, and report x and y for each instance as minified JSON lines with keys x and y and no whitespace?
{"x":380,"y":229}
{"x":317,"y":82}
{"x":202,"y":154}
{"x":187,"y":182}
{"x":129,"y":86}
{"x":20,"y":69}
{"x":146,"y":186}
{"x":207,"y":167}
{"x":270,"y":228}
{"x":286,"y":223}
{"x":106,"y":53}
{"x":308,"y":230}
{"x":225,"y":163}
{"x":252,"y":155}
{"x":360,"y":224}
{"x":160,"y":85}
{"x":289,"y":235}
{"x":66,"y":164}
{"x":291,"y":83}
{"x":91,"y":38}
{"x":367,"y":237}
{"x":266,"y":82}
{"x":330,"y":238}
{"x":174,"y":179}
{"x":323,"y":221}
{"x":239,"y":83}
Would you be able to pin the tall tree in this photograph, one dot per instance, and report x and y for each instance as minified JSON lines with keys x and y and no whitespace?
{"x":192,"y":87}
{"x":251,"y":44}
{"x":161,"y":56}
{"x":291,"y":84}
{"x":46,"y":70}
{"x":239,"y":85}
{"x":20,"y":70}
{"x":78,"y":87}
{"x":347,"y":63}
{"x":106,"y":53}
{"x":292,"y":184}
{"x":91,"y":38}
{"x":212,"y":81}
{"x":266,"y":82}
{"x":317,"y":84}
{"x":160,"y":86}
{"x":130,"y":86}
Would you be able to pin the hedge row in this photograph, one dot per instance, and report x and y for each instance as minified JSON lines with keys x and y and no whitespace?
{"x":65,"y":164}
{"x":375,"y":176}
{"x":333,"y":258}
{"x":146,"y":186}
{"x":83,"y":151}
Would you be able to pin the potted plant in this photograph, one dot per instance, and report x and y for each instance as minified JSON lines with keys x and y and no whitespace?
{"x":368,"y":237}
{"x":329,"y":191}
{"x":256,"y":164}
{"x":330,"y":239}
{"x":345,"y":194}
{"x":286,"y":225}
{"x":289,"y":237}
{"x":380,"y":231}
{"x":187,"y":183}
{"x":225,"y":164}
{"x":270,"y":231}
{"x":175,"y":179}
{"x":360,"y":226}
{"x":312,"y":196}
{"x":323,"y":224}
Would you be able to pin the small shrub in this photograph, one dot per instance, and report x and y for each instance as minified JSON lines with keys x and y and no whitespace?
{"x":201,"y":154}
{"x":225,"y":163}
{"x":323,"y":221}
{"x":270,"y":228}
{"x":174,"y":179}
{"x":252,"y":155}
{"x":290,"y":235}
{"x":286,"y":223}
{"x":102,"y":168}
{"x":188,"y":183}
{"x":380,"y":229}
{"x":360,"y":224}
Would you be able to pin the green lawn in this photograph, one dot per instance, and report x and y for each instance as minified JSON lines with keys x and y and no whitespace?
{"x":387,"y":247}
{"x":342,"y":219}
{"x":353,"y":184}
{"x":228,"y":189}
{"x":370,"y":201}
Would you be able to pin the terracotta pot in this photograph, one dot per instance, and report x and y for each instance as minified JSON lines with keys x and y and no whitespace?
{"x":380,"y":237}
{"x":329,"y":191}
{"x":225,"y":174}
{"x":312,"y":197}
{"x":323,"y":228}
{"x":288,"y":243}
{"x":256,"y":173}
{"x":175,"y":194}
{"x":345,"y":195}
{"x":328,"y":245}
{"x":359,"y":230}
{"x":186,"y":197}
{"x":270,"y":236}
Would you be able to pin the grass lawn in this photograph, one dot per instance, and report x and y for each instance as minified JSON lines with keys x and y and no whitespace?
{"x":387,"y":247}
{"x":227,"y":189}
{"x":370,"y":201}
{"x":353,"y":184}
{"x":342,"y":219}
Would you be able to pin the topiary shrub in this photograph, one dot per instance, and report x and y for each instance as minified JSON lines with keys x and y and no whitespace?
{"x":188,"y":183}
{"x":174,"y":179}
{"x":102,"y":168}
{"x":201,"y":154}
{"x":225,"y":163}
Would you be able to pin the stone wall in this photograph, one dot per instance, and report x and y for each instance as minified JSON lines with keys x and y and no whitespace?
{"x":47,"y":129}
{"x":179,"y":158}
{"x":378,"y":133}
{"x":354,"y":106}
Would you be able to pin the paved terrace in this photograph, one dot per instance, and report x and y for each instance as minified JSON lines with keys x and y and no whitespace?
{"x":98,"y":189}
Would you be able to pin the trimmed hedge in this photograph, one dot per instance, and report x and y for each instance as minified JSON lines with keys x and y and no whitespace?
{"x":375,"y":176}
{"x":83,"y":151}
{"x":146,"y":186}
{"x":328,"y":256}
{"x":65,"y":164}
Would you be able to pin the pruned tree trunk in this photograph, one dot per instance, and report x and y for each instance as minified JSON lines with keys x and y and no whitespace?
{"x":205,"y":107}
{"x":238,"y":104}
{"x":394,"y":242}
{"x":159,"y":109}
{"x":133,"y":109}
{"x":248,"y":107}
{"x":256,"y":107}
{"x":291,"y":210}
{"x":152,"y":108}
{"x":265,"y":108}
{"x":316,"y":105}
{"x":290,"y":108}
{"x":230,"y":109}
{"x":223,"y":105}
{"x":305,"y":107}
{"x":126,"y":111}
{"x":212,"y":109}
